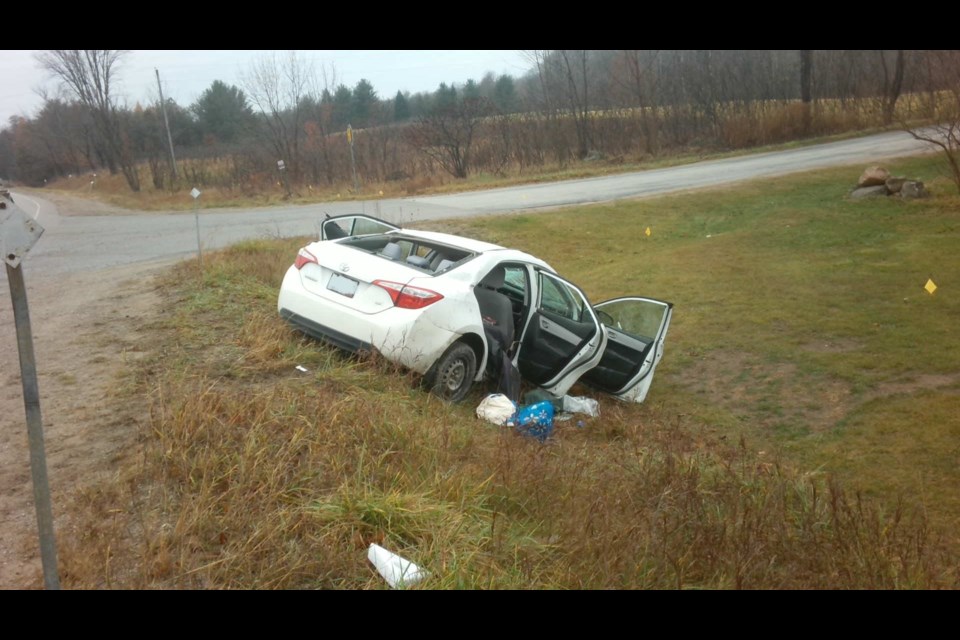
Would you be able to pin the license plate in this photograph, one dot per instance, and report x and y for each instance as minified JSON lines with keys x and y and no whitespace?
{"x":343,"y":285}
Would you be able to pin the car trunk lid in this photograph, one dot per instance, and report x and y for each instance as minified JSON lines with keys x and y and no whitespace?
{"x":346,"y":275}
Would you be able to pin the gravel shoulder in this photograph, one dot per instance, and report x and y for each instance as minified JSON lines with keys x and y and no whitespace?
{"x":88,"y":329}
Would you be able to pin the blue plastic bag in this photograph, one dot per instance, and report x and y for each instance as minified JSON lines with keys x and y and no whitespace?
{"x":535,"y":420}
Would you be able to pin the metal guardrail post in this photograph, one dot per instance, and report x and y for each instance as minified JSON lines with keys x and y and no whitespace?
{"x":18,"y":233}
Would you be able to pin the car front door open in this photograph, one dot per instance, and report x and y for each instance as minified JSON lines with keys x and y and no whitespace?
{"x":635,"y":329}
{"x":562,"y":338}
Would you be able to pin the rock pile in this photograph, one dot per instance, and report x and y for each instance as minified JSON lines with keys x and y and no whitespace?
{"x":877,"y":181}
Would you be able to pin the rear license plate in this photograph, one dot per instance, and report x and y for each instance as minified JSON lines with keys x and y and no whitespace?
{"x":343,"y":285}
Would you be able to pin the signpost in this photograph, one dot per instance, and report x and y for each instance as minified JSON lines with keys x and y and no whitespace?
{"x":18,"y":233}
{"x":196,"y":215}
{"x":353,"y":162}
{"x":283,"y":176}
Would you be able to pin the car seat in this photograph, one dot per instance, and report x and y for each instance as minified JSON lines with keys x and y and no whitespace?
{"x":495,"y":310}
{"x":392,"y":250}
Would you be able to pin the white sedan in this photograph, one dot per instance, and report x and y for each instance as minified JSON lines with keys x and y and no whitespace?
{"x":451,"y":308}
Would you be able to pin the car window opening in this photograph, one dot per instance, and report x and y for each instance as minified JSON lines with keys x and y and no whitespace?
{"x":429,"y":257}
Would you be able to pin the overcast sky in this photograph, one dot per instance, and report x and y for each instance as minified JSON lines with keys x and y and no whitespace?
{"x":185,"y":74}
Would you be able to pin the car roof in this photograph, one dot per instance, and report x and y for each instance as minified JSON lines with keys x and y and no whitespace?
{"x":475,"y":246}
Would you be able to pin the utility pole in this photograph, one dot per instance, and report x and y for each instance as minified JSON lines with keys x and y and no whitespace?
{"x":166,"y":123}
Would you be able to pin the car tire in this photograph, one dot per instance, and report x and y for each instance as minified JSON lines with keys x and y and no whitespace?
{"x":452,"y":375}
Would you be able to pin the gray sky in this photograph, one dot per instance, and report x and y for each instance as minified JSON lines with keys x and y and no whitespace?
{"x":185,"y":74}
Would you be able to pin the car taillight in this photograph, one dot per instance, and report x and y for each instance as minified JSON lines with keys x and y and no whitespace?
{"x":304,"y":257}
{"x":407,"y":297}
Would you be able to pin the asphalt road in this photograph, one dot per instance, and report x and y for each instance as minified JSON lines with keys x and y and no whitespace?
{"x":89,"y":243}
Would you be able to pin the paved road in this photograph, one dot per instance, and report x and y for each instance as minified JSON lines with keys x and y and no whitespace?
{"x":73,"y":243}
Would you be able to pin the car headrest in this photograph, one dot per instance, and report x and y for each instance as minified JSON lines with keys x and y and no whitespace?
{"x":494,"y":279}
{"x":418,"y":261}
{"x":392,"y":250}
{"x":444,"y":265}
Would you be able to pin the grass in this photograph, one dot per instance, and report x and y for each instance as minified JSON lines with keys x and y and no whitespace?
{"x":800,"y":434}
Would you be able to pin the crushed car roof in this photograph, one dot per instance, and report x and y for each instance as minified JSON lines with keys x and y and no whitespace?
{"x":476,"y":246}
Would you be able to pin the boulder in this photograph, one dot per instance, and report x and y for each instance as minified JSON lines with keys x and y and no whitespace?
{"x":869,"y":192}
{"x":913,"y":189}
{"x":873,"y":176}
{"x":894,"y":184}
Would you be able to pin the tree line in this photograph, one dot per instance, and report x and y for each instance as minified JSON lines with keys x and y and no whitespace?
{"x":571,"y":106}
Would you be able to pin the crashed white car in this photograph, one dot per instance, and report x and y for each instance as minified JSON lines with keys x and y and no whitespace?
{"x":450,"y":307}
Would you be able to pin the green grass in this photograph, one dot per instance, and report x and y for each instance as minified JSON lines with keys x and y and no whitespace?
{"x":799,"y":313}
{"x":800,"y":433}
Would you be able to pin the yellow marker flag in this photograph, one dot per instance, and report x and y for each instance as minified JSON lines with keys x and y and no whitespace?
{"x":930,"y":286}
{"x":647,"y":232}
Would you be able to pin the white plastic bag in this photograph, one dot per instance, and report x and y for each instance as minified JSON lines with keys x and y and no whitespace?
{"x":497,"y":409}
{"x":579,"y":404}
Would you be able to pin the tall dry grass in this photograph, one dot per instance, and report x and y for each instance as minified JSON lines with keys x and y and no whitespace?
{"x":253,"y":475}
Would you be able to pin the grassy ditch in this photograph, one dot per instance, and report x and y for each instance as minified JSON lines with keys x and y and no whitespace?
{"x":799,"y":434}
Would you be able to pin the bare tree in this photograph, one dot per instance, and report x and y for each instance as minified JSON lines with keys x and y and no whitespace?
{"x":806,"y":84}
{"x":643,"y":83}
{"x":447,"y":134}
{"x":945,"y":133}
{"x":890,"y":91}
{"x":278,"y":88}
{"x":319,"y":125}
{"x":578,"y":95}
{"x":88,"y":74}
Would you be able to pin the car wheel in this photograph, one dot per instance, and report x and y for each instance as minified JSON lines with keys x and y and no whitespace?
{"x":452,"y":375}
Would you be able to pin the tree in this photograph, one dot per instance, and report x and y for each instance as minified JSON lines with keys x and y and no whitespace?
{"x":471,"y":90}
{"x":88,"y":74}
{"x":575,"y":70}
{"x":8,"y":166}
{"x":806,"y":81}
{"x":945,"y":133}
{"x":505,"y":94}
{"x":401,"y":108}
{"x":447,"y":133}
{"x":643,"y":87}
{"x":445,"y":97}
{"x":363,"y":105}
{"x":890,"y":91}
{"x":277,"y":88}
{"x":342,"y":107}
{"x":223,"y":112}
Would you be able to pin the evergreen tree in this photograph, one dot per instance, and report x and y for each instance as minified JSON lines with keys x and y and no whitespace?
{"x":471,"y":90}
{"x":445,"y":97}
{"x":505,"y":94}
{"x":401,"y":108}
{"x":363,"y":106}
{"x":222,"y":112}
{"x":342,"y":107}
